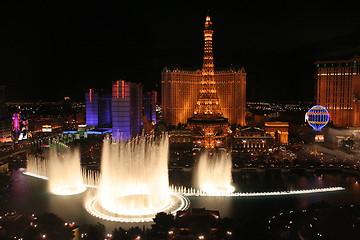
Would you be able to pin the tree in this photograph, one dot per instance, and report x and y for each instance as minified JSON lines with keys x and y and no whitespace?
{"x":31,"y":233}
{"x":163,"y":223}
{"x":54,"y":227}
{"x":226,"y":223}
{"x":134,"y":232}
{"x":93,"y":232}
{"x":3,"y":237}
{"x":119,"y":234}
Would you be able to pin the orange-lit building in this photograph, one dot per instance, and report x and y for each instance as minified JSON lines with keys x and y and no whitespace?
{"x":338,"y":90}
{"x":278,"y":130}
{"x":180,"y":92}
{"x":209,"y":126}
{"x":252,"y":138}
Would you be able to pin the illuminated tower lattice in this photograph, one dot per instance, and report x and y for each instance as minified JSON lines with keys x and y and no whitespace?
{"x":208,"y":102}
{"x":209,"y":126}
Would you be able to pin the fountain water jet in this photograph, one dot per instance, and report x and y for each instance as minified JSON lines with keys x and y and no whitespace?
{"x":213,"y":173}
{"x":36,"y":167}
{"x":134,"y":182}
{"x":64,"y":172}
{"x":134,"y":175}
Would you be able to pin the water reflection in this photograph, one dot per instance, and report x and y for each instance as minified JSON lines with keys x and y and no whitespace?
{"x":30,"y":195}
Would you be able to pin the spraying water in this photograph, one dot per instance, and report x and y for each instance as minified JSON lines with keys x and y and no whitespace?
{"x":36,"y":167}
{"x":213,"y":173}
{"x":134,"y":176}
{"x":64,"y":172}
{"x":62,"y":169}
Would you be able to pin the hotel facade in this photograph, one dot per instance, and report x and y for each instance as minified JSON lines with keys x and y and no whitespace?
{"x":338,"y":90}
{"x":180,"y":92}
{"x":126,"y":109}
{"x":98,"y":107}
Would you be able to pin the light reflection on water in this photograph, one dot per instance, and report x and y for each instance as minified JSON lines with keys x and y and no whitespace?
{"x":29,"y":195}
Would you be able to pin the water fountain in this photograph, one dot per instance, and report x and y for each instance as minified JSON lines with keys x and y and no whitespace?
{"x":134,"y":182}
{"x":36,"y":167}
{"x":213,"y":173}
{"x":61,"y":168}
{"x":64,"y":172}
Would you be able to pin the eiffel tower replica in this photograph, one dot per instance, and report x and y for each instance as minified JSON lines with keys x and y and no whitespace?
{"x":210,"y":129}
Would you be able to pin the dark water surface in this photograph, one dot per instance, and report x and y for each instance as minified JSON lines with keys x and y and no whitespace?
{"x":29,"y":195}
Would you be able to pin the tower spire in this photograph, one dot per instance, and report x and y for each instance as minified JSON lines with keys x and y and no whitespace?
{"x":208,"y":101}
{"x":209,"y":127}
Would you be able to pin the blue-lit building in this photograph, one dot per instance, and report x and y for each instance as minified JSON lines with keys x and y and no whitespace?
{"x":98,"y":108}
{"x":150,"y":100}
{"x":126,"y":109}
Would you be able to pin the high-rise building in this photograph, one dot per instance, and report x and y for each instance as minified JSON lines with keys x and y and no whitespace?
{"x":180,"y":92}
{"x":126,"y":109}
{"x":98,"y":107}
{"x":150,"y":100}
{"x":338,"y":90}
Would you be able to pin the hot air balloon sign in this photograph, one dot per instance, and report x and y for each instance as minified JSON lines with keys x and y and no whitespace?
{"x":317,"y":117}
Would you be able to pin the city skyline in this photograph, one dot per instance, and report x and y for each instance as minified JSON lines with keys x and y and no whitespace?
{"x":76,"y":47}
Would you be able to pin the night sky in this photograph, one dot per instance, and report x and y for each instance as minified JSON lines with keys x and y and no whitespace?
{"x":52,"y":49}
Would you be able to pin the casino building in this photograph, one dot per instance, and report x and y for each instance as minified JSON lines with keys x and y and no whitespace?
{"x":126,"y":109}
{"x":180,"y":92}
{"x":338,"y":90}
{"x":98,"y":107}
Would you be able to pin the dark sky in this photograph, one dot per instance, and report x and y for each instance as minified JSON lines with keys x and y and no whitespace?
{"x":52,"y":49}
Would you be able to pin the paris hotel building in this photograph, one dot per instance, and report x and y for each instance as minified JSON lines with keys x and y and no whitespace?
{"x":338,"y":90}
{"x":180,"y":91}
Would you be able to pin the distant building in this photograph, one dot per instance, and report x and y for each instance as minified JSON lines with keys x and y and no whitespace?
{"x":126,"y":109}
{"x":149,"y":103}
{"x":20,"y":127}
{"x":278,"y":130}
{"x":4,"y":167}
{"x":338,"y":90}
{"x":98,"y":108}
{"x":181,"y":138}
{"x":180,"y":88}
{"x":5,"y":121}
{"x":252,"y":138}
